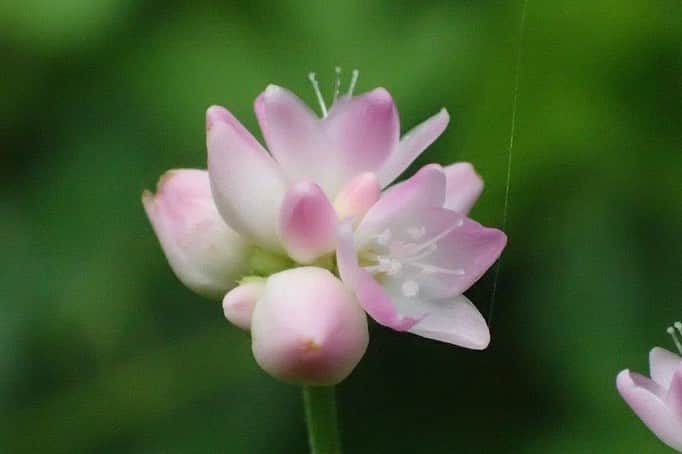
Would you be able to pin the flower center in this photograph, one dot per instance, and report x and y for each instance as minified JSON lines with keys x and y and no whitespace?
{"x":675,"y":332}
{"x":337,"y":87}
{"x":389,"y":256}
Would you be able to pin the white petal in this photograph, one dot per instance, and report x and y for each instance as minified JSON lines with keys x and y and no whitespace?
{"x":247,"y":184}
{"x":662,"y":364}
{"x":295,"y":138}
{"x":456,"y":322}
{"x":464,"y":186}
{"x":412,"y":145}
{"x":363,"y":131}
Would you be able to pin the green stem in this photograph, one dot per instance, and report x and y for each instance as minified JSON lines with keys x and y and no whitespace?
{"x":320,"y":415}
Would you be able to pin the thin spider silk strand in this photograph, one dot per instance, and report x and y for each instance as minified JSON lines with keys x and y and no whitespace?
{"x":510,"y":150}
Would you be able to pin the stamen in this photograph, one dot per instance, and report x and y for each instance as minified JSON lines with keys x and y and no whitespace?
{"x":431,"y":242}
{"x":384,"y":237}
{"x":674,"y":334}
{"x":427,"y":268}
{"x":337,"y":84}
{"x":353,"y":81}
{"x":386,"y":265}
{"x":410,"y":288}
{"x":318,"y":93}
{"x":416,"y":233}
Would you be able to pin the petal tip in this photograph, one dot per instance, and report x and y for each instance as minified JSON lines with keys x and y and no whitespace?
{"x":164,"y":179}
{"x":147,"y":196}
{"x":272,"y":90}
{"x":216,"y":114}
{"x":481,"y":344}
{"x":502,"y":239}
{"x":624,"y":381}
{"x":306,"y":188}
{"x":381,"y":96}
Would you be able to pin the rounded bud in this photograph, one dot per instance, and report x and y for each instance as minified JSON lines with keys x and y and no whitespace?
{"x":239,"y":302}
{"x":308,"y":328}
{"x":357,"y":197}
{"x":205,"y":253}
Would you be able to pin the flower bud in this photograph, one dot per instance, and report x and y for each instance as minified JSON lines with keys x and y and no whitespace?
{"x":239,"y":302}
{"x":308,"y":328}
{"x":205,"y":254}
{"x":357,"y":197}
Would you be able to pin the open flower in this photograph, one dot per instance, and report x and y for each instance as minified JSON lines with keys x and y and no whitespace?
{"x":411,"y":257}
{"x":658,"y":400}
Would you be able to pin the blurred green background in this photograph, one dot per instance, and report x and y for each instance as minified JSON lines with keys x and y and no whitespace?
{"x":103,"y":350}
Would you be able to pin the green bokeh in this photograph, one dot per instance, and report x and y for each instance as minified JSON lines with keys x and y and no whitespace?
{"x":103,"y":350}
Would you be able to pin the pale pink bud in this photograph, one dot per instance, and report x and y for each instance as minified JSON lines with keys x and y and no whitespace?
{"x":206,"y":254}
{"x":307,"y":223}
{"x":308,"y":328}
{"x":357,"y":196}
{"x":239,"y":302}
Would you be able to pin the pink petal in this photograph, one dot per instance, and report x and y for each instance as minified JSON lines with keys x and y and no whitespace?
{"x":370,"y":294}
{"x":464,"y":186}
{"x":423,"y":190}
{"x":259,"y":109}
{"x":239,"y":302}
{"x":465,"y":252}
{"x":674,"y":396}
{"x":644,"y":397}
{"x":662,"y":364}
{"x":295,"y":138}
{"x":411,"y":146}
{"x":357,"y":197}
{"x":247,"y":184}
{"x":456,"y":322}
{"x":307,"y":223}
{"x":205,"y":254}
{"x":363,"y":131}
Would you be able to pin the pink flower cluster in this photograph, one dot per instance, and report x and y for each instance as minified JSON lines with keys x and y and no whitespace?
{"x":303,"y":238}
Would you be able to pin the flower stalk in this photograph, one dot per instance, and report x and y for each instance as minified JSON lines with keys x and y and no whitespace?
{"x":319,"y":403}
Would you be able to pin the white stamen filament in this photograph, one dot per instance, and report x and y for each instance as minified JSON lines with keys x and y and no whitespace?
{"x":353,"y":81}
{"x":433,"y":269}
{"x":436,"y":238}
{"x":318,"y":93}
{"x":674,"y":331}
{"x":337,"y":84}
{"x":410,"y":254}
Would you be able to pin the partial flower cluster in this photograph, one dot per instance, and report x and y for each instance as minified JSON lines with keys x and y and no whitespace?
{"x":658,"y":400}
{"x":304,"y":238}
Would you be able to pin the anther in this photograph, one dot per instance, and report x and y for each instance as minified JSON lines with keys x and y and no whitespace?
{"x":410,"y":289}
{"x":384,"y":237}
{"x":674,"y":334}
{"x":353,"y":81}
{"x":318,"y":93}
